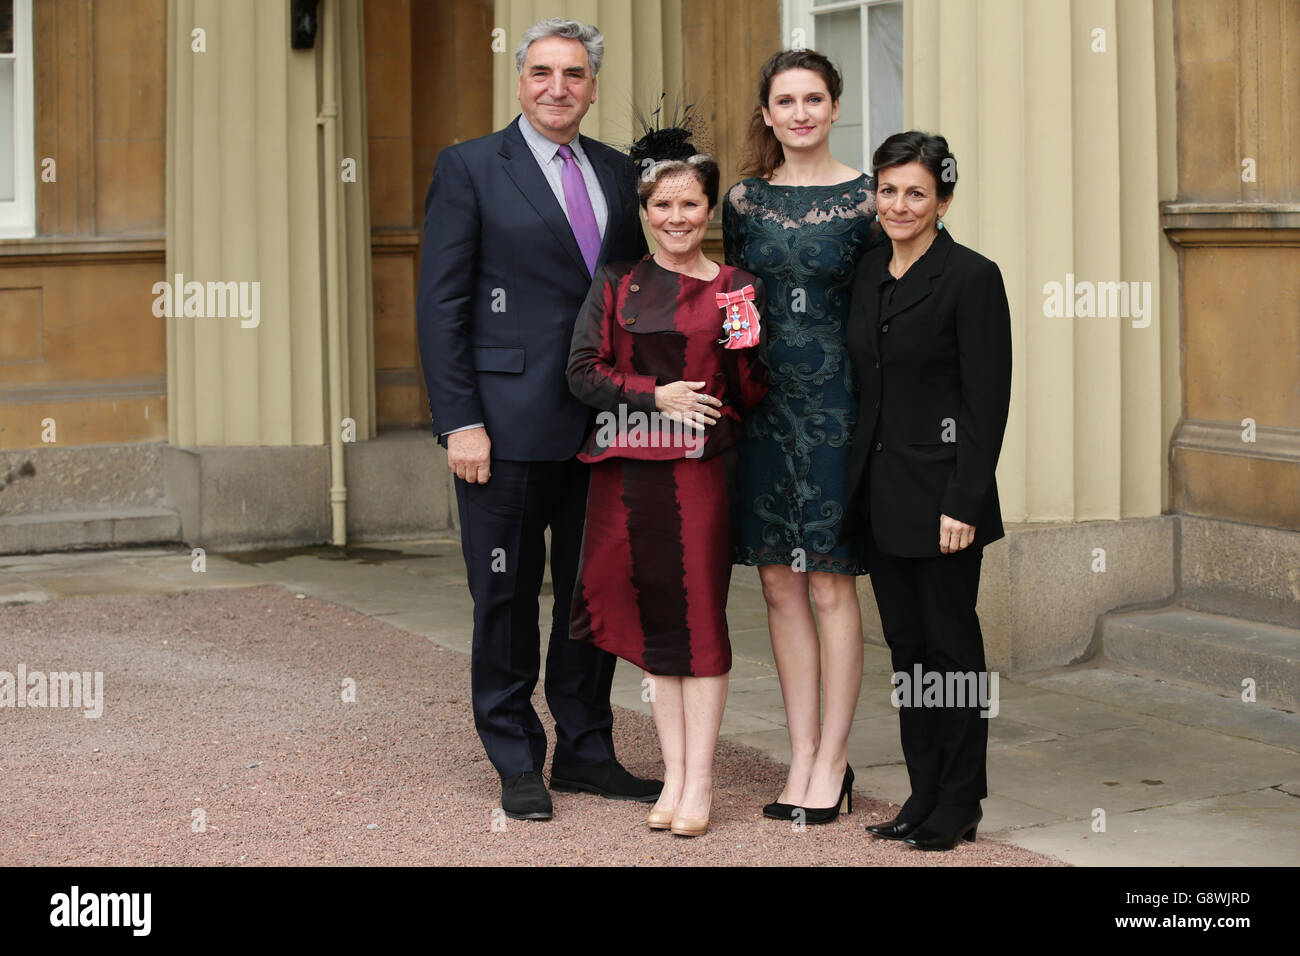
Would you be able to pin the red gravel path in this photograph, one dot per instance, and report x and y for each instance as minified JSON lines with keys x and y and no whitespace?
{"x":229,"y":701}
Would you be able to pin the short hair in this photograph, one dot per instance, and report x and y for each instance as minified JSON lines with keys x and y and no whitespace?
{"x":930,"y":150}
{"x":591,"y":39}
{"x":702,"y":166}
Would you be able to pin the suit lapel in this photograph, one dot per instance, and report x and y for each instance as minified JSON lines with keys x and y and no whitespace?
{"x":521,"y":166}
{"x":917,"y":282}
{"x":911,"y":290}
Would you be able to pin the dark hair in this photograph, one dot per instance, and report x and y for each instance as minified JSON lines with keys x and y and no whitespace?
{"x":763,"y":153}
{"x":930,"y":150}
{"x":668,"y":150}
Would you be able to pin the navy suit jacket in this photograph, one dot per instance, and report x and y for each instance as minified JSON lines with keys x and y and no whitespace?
{"x":934,"y":366}
{"x":501,"y":283}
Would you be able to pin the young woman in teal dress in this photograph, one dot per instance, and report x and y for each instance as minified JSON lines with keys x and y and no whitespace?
{"x":800,"y":223}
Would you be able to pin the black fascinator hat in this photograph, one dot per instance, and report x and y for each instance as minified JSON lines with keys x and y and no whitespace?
{"x":668,"y":146}
{"x":664,"y":142}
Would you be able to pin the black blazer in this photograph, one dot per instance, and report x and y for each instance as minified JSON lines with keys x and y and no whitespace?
{"x":501,"y":282}
{"x":934,"y":367}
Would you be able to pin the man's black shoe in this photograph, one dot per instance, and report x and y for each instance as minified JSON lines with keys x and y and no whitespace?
{"x":914,"y":812}
{"x":945,"y":827}
{"x":895,"y":829}
{"x":608,"y":779}
{"x":525,"y":798}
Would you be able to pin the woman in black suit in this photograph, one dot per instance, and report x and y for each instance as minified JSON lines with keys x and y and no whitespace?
{"x":930,"y":339}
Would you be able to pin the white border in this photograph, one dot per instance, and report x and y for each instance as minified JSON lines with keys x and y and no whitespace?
{"x":18,"y":215}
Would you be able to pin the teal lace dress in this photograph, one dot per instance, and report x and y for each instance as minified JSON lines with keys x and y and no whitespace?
{"x":804,"y":242}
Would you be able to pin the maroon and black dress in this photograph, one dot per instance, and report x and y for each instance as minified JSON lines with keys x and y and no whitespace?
{"x":656,"y":565}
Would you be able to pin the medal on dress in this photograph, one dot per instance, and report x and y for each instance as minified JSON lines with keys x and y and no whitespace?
{"x":739,"y":318}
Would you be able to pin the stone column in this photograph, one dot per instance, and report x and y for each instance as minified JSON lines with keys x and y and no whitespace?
{"x":247,"y":191}
{"x":1051,"y":111}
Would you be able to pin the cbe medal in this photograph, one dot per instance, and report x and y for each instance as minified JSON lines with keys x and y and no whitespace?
{"x":740,"y":328}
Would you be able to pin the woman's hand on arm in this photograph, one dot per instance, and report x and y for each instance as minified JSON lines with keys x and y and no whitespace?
{"x":683,"y":402}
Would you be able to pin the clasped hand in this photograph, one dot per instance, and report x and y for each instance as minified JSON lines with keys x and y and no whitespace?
{"x":683,"y":402}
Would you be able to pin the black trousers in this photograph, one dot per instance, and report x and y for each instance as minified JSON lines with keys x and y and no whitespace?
{"x":927,"y":610}
{"x":502,"y":538}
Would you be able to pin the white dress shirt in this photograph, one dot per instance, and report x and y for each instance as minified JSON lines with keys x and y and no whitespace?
{"x":548,"y":157}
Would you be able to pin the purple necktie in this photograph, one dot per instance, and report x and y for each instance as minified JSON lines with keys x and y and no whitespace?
{"x":581,"y":216}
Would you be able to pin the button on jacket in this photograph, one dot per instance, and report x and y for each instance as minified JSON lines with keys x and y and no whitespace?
{"x":932,"y":356}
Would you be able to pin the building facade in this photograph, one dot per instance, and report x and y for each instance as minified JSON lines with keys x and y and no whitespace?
{"x":210,"y":237}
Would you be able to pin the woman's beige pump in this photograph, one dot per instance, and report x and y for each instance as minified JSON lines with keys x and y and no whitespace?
{"x":660,"y":819}
{"x":681,"y":826}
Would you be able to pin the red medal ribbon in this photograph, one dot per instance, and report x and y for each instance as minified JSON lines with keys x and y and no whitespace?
{"x":739,"y":318}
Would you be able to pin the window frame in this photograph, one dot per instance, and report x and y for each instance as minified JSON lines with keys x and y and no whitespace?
{"x":18,"y":215}
{"x":799,"y":14}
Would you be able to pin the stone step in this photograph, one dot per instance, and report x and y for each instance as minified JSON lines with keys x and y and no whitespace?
{"x":104,"y":528}
{"x":1207,"y":650}
{"x":1239,"y":570}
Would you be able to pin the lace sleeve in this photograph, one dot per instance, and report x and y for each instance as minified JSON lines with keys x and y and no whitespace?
{"x":867,"y":198}
{"x":733,"y":225}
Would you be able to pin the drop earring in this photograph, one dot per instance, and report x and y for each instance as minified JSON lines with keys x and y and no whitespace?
{"x":940,"y":223}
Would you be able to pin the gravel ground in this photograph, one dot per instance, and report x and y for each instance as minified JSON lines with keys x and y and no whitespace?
{"x":230,"y":702}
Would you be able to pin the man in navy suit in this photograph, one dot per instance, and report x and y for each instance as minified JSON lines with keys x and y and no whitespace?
{"x":516,"y":224}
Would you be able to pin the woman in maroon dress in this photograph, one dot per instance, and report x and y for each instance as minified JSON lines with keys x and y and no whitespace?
{"x":651,"y":354}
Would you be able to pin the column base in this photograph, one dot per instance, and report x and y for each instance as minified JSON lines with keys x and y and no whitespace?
{"x":274,"y":497}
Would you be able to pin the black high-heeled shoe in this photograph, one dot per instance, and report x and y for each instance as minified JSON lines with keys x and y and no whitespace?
{"x":930,"y":837}
{"x":778,"y":811}
{"x":827,"y":814}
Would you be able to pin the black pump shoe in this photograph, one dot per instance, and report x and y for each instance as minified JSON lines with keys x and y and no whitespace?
{"x":930,"y":837}
{"x":778,"y":811}
{"x":827,"y":814}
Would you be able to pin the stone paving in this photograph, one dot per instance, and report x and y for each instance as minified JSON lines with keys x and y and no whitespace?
{"x":1183,"y":776}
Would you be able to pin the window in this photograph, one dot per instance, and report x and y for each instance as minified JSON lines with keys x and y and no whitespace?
{"x":864,"y":38}
{"x":17,"y":180}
